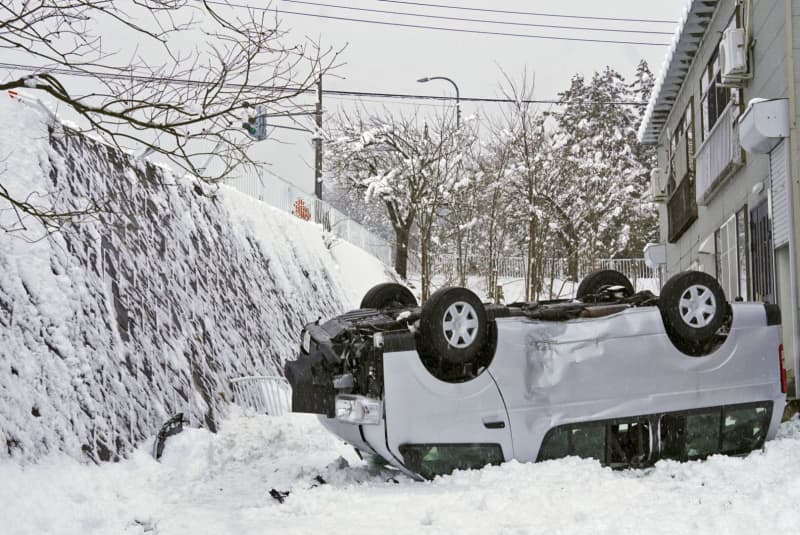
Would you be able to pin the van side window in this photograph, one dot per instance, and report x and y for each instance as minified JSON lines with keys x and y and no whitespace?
{"x":731,"y":430}
{"x":617,"y":443}
{"x":672,"y":433}
{"x":431,"y":460}
{"x":585,"y":440}
{"x":744,"y":429}
{"x":628,"y":443}
{"x":702,"y":435}
{"x":555,"y":445}
{"x":588,"y":441}
{"x":689,"y":436}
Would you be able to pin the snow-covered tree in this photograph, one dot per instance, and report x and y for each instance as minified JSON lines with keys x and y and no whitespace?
{"x":569,"y":182}
{"x":644,"y":227}
{"x":407,"y":163}
{"x":457,"y":231}
{"x":519,"y":146}
{"x":494,"y":223}
{"x":642,"y":86}
{"x":603,"y":167}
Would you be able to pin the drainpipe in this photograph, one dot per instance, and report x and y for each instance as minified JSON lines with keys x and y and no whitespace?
{"x":795,"y":192}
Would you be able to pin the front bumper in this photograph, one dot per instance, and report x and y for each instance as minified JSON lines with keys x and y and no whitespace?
{"x":311,"y":380}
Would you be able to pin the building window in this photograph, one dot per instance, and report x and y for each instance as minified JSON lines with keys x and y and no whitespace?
{"x":682,"y":203}
{"x":742,"y":252}
{"x":681,"y":148}
{"x":730,"y":246}
{"x":713,"y":97}
{"x":762,"y":275}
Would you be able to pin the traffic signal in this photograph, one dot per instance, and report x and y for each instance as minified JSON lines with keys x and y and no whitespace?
{"x":250,"y":125}
{"x":256,"y":125}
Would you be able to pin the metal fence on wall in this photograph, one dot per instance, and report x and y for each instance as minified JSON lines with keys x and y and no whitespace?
{"x":285,"y":196}
{"x":515,"y":267}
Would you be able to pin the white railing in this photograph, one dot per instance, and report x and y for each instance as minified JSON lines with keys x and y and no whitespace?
{"x":719,"y":155}
{"x":264,"y":394}
{"x":285,"y":196}
{"x":556,"y":268}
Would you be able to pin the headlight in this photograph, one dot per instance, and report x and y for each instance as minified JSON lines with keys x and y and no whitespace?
{"x":358,"y":409}
{"x":305,"y":343}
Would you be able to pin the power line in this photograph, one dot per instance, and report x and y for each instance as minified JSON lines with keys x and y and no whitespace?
{"x":344,"y":93}
{"x":475,"y":99}
{"x":394,"y":101}
{"x":508,"y":12}
{"x":439,"y":28}
{"x":474,"y":32}
{"x":483,"y":21}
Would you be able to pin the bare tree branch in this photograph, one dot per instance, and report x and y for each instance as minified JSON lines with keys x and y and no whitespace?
{"x":182,"y":89}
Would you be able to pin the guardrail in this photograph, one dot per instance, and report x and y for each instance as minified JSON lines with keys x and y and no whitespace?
{"x":265,"y":394}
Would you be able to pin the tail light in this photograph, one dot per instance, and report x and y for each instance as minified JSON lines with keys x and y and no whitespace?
{"x":783,"y":369}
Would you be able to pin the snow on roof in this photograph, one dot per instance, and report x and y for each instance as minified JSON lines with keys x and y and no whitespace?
{"x":696,"y":17}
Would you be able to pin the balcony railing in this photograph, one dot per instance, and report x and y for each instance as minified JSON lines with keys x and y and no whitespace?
{"x":720,"y":155}
{"x":681,"y":209}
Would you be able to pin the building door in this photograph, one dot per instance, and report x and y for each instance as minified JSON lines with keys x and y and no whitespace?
{"x":761,"y":254}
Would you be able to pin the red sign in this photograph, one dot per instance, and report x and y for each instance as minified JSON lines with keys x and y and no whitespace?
{"x":301,"y":210}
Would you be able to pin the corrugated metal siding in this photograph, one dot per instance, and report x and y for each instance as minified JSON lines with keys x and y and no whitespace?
{"x":778,"y":178}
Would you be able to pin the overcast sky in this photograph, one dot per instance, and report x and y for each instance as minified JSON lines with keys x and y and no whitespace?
{"x":390,"y":55}
{"x":389,"y":59}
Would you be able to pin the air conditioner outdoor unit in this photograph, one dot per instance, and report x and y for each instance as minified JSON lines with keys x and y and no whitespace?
{"x":732,"y":57}
{"x":658,"y":184}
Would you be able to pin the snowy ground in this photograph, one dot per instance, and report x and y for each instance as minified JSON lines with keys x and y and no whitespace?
{"x":220,"y":484}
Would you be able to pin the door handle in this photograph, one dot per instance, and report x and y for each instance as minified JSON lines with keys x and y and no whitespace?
{"x":500,"y":424}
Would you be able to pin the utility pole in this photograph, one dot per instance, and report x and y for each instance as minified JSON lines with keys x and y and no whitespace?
{"x":318,"y":143}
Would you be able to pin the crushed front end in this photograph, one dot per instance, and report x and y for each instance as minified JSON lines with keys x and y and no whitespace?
{"x":339,"y":371}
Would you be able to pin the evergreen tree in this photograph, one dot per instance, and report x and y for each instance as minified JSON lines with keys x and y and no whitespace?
{"x":604,"y":170}
{"x":642,"y":85}
{"x":644,"y":228}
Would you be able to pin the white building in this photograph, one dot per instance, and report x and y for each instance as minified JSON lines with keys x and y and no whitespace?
{"x":724,"y":116}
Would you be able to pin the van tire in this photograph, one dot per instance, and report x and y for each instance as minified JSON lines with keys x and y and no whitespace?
{"x":693,"y":307}
{"x":388,"y":294}
{"x":452,"y":327}
{"x":591,"y":287}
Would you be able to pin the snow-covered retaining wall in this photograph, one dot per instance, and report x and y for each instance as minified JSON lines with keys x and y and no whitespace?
{"x":145,"y":308}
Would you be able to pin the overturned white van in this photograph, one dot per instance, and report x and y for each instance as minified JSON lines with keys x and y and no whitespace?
{"x":625,"y":378}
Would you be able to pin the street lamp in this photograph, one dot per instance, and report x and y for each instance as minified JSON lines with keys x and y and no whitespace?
{"x":458,"y":101}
